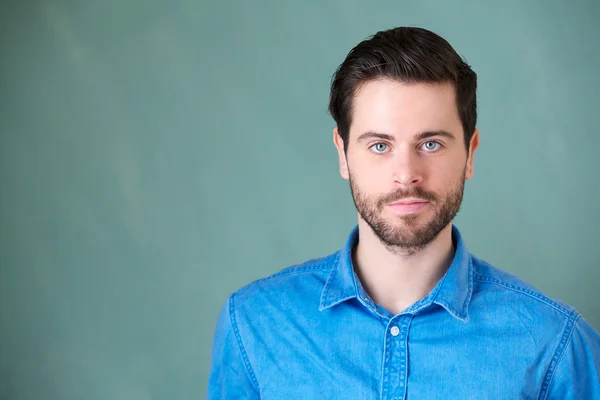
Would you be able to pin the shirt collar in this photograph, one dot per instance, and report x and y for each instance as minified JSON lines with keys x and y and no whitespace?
{"x":453,"y":291}
{"x":341,"y":284}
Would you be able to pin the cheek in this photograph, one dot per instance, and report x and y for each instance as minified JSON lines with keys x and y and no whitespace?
{"x":372,"y":179}
{"x":442,"y":177}
{"x":451,"y":176}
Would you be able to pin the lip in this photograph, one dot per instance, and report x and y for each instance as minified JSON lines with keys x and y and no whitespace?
{"x":408,"y":206}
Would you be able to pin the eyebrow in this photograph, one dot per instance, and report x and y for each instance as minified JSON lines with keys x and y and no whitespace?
{"x":417,"y":137}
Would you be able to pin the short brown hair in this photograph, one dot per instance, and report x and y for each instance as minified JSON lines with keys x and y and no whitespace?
{"x":406,"y":54}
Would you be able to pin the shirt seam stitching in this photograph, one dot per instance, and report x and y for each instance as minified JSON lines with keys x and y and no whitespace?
{"x":538,"y":296}
{"x":471,"y":278}
{"x":558,"y":355}
{"x":300,"y":269}
{"x":292,"y":271}
{"x":238,"y":338}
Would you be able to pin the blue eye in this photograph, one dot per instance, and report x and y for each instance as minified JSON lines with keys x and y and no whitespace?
{"x":431,"y":146}
{"x":379,"y":147}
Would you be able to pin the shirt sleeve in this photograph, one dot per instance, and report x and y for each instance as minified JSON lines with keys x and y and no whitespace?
{"x":577,"y":374}
{"x":231,"y":375}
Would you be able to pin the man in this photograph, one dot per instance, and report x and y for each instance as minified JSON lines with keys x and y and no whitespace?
{"x":403,"y":310}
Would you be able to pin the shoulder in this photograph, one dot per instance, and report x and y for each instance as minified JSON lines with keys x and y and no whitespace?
{"x":495,"y":282}
{"x":550,"y":328}
{"x":300,"y":280}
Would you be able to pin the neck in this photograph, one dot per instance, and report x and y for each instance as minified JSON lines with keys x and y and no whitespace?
{"x":395,"y":279}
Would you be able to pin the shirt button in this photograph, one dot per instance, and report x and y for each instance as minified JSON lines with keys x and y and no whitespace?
{"x":395,"y":331}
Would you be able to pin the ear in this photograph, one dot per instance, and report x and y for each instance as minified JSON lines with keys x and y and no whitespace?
{"x":470,"y":159}
{"x":339,"y":145}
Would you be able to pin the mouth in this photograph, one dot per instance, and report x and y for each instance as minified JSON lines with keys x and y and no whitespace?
{"x":408,"y":206}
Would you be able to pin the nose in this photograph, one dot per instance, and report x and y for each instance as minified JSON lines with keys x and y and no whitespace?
{"x":407,"y":168}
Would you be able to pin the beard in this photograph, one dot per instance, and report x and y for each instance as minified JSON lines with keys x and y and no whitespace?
{"x":406,"y":234}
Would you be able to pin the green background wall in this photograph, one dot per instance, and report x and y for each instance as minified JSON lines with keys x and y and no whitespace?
{"x":156,"y":155}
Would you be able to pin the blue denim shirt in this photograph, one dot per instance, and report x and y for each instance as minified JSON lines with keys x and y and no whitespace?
{"x":312,"y":332}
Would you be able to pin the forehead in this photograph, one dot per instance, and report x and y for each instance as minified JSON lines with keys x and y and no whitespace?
{"x":400,"y":108}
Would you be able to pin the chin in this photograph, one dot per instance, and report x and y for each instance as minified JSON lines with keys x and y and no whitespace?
{"x":411,"y":220}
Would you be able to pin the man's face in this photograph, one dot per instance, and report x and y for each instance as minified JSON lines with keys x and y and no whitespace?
{"x":406,"y":160}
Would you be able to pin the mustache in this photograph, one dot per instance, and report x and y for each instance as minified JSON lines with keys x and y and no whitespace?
{"x":400,"y":194}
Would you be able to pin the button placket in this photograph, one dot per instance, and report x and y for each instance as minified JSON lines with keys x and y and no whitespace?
{"x":395,"y":363}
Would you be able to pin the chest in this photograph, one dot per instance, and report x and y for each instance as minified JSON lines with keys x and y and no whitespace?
{"x":404,"y":359}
